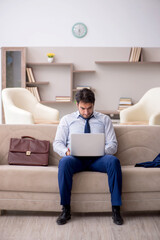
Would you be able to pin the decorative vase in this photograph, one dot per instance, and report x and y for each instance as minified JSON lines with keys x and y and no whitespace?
{"x":50,"y":59}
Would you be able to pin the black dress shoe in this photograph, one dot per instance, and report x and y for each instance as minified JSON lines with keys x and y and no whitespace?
{"x":117,"y":219}
{"x":64,"y":216}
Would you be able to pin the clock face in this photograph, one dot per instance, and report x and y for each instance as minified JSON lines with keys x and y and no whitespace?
{"x":79,"y":30}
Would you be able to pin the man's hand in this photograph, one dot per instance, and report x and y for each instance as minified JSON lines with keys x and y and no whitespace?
{"x":68,"y":152}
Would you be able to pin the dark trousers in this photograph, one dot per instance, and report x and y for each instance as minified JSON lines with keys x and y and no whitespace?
{"x":109,"y":164}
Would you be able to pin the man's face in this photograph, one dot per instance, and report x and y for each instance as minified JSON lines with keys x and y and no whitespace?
{"x":85,"y":109}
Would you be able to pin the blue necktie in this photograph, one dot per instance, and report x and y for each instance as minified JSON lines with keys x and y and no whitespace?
{"x":87,"y":126}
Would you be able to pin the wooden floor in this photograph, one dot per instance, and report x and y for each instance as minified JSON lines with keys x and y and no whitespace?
{"x":16,"y":225}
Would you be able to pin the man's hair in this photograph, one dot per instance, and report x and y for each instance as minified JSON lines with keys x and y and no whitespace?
{"x":85,"y":95}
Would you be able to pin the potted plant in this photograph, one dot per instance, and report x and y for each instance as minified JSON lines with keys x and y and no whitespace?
{"x":50,"y":57}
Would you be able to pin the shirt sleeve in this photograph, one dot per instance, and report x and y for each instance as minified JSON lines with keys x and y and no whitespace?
{"x":60,"y":142}
{"x":111,"y":143}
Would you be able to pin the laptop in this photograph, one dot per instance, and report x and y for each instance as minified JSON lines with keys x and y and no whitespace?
{"x":87,"y":144}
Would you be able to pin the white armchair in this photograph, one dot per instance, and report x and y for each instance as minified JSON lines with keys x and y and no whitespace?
{"x":21,"y":107}
{"x":146,"y":111}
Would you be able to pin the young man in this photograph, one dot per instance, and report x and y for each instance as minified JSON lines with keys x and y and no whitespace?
{"x":82,"y":121}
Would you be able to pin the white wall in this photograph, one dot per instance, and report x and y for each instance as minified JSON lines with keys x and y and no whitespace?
{"x":110,"y":22}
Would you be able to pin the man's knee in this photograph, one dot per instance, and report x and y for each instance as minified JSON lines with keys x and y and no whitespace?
{"x":113,"y":161}
{"x":69,"y":165}
{"x":64,"y":162}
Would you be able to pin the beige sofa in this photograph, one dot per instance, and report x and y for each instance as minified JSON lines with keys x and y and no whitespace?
{"x":36,"y":188}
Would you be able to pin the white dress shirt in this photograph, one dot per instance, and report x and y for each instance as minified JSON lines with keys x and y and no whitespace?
{"x":73,"y":123}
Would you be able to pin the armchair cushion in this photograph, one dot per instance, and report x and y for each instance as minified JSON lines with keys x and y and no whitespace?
{"x":21,"y":107}
{"x":146,"y":110}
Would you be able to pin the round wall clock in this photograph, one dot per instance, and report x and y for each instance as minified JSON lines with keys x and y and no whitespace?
{"x":79,"y":30}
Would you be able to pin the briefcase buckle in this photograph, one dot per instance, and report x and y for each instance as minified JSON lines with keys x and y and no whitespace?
{"x":28,"y":153}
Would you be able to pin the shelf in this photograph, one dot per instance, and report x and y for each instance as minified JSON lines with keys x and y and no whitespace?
{"x":115,"y":121}
{"x":108,"y":111}
{"x":50,"y":102}
{"x":53,"y":71}
{"x":113,"y":114}
{"x":75,"y":90}
{"x":128,"y":62}
{"x":48,"y":64}
{"x":36,"y":83}
{"x":84,"y":71}
{"x":105,"y":62}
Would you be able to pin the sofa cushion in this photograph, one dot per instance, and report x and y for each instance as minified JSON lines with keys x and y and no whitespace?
{"x":28,"y":178}
{"x":45,"y":179}
{"x":133,"y":180}
{"x":139,"y":179}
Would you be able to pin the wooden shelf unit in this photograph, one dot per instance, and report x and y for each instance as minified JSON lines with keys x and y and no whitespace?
{"x":72,"y":72}
{"x":44,"y":65}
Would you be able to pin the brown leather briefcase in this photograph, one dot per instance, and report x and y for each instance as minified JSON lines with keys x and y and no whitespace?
{"x":28,"y":151}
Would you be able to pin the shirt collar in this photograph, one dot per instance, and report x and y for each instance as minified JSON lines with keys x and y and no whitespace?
{"x":78,"y":114}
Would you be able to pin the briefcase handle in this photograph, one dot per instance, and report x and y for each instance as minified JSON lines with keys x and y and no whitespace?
{"x":28,"y":137}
